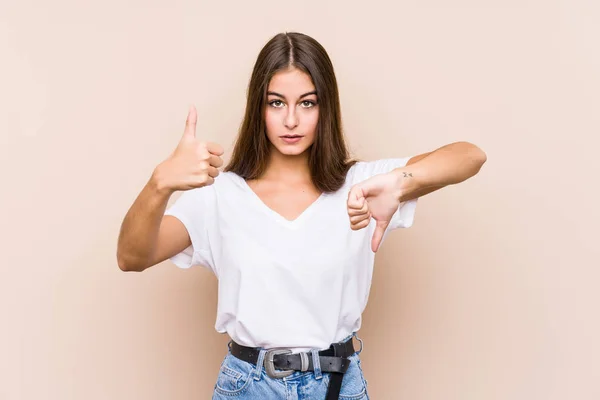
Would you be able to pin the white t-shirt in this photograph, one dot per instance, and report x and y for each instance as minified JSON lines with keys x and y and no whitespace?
{"x":297,"y":284}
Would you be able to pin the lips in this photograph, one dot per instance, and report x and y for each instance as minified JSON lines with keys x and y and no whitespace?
{"x":291,"y":139}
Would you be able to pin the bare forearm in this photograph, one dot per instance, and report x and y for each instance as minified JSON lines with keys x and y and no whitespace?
{"x":448,"y":165}
{"x":140,"y":227}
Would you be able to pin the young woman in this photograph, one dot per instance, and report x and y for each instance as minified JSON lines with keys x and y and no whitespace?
{"x":290,"y":227}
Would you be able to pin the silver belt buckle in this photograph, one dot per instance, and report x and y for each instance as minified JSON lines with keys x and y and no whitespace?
{"x":270,"y":364}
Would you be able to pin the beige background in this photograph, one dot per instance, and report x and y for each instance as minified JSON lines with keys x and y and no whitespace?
{"x":492,"y":294}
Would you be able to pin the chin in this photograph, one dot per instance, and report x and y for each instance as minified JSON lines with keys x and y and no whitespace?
{"x":291,"y":150}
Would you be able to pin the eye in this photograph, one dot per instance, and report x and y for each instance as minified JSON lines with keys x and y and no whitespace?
{"x":309,"y":103}
{"x":272,"y":103}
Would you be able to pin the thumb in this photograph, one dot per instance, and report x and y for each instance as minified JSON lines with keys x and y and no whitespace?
{"x":190,"y":123}
{"x":378,"y":235}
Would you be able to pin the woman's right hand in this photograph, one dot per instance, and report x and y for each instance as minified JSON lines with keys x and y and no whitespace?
{"x":193,"y":163}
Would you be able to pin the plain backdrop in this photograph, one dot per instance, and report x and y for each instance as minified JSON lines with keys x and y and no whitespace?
{"x":492,"y":294}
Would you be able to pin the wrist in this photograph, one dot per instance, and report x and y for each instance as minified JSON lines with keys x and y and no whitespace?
{"x":158,"y":185}
{"x":405,"y":182}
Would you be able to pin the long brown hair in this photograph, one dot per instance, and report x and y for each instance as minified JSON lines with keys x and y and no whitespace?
{"x":328,"y":158}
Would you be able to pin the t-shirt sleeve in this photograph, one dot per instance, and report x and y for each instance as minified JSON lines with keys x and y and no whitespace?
{"x":191,"y":208}
{"x":404,"y":216}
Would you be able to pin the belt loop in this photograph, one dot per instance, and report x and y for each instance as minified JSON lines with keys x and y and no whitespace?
{"x":361,"y":343}
{"x":316,"y":363}
{"x":259,"y":364}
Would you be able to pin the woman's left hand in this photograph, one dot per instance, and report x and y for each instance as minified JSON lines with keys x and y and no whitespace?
{"x":377,"y":197}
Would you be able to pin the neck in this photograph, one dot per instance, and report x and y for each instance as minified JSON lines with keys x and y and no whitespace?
{"x":286,"y":168}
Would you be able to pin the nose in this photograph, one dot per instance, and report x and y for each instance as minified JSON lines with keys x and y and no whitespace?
{"x":291,"y":119}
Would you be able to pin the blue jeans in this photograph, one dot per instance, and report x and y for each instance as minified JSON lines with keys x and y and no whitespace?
{"x":242,"y":380}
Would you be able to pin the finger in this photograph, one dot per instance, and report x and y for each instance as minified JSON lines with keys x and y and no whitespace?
{"x":213,"y":172}
{"x":209,"y":180}
{"x":355,"y":198}
{"x":363,"y":210}
{"x":359,"y":218}
{"x":190,"y":123}
{"x":215,"y":161}
{"x":214,"y":148}
{"x":360,"y":225}
{"x":378,"y":235}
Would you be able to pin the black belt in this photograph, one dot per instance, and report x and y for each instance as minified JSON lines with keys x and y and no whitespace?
{"x":280,"y":363}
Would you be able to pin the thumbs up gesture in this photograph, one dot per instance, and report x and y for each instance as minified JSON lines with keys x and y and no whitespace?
{"x":192,"y":164}
{"x":377,"y":197}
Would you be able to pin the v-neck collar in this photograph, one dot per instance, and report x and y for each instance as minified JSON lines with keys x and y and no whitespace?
{"x":278,"y":217}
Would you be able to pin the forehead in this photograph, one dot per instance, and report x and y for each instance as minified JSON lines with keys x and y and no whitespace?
{"x":291,"y":83}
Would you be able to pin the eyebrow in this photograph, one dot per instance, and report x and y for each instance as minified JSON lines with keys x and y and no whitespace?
{"x":283,"y":97}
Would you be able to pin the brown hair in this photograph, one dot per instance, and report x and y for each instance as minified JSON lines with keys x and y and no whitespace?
{"x":328,"y":158}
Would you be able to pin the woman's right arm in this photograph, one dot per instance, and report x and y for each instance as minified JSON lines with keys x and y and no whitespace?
{"x":147,"y":236}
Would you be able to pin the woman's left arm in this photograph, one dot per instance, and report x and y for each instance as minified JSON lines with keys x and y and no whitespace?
{"x":379,"y":196}
{"x":428,"y":172}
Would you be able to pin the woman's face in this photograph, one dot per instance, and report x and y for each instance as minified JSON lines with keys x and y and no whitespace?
{"x":292,"y":112}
